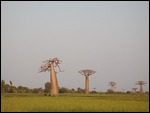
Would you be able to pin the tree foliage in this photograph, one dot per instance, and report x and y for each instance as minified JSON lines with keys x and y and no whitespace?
{"x":47,"y":87}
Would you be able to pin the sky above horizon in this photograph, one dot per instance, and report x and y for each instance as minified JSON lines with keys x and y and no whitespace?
{"x":111,"y":38}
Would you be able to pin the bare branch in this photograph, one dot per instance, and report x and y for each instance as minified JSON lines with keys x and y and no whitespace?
{"x":45,"y":61}
{"x":87,"y":72}
{"x":81,"y":72}
{"x":60,"y":69}
{"x":141,"y":83}
{"x":111,"y":83}
{"x":46,"y":66}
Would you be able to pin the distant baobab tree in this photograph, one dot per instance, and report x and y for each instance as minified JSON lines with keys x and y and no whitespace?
{"x":141,"y":83}
{"x":134,"y":89}
{"x":94,"y":89}
{"x":87,"y":73}
{"x":49,"y":66}
{"x":112,"y":84}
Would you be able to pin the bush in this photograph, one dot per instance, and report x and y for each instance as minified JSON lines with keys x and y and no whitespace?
{"x":109,"y":91}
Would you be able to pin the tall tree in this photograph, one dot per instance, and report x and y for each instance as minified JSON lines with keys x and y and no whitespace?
{"x":141,"y":83}
{"x":49,"y":66}
{"x":87,"y":73}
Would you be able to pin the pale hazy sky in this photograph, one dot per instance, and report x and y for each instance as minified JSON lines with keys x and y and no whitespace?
{"x":111,"y":38}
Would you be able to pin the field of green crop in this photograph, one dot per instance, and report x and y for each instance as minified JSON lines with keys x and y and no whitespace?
{"x":74,"y":102}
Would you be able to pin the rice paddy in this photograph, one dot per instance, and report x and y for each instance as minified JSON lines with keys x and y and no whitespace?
{"x":74,"y":103}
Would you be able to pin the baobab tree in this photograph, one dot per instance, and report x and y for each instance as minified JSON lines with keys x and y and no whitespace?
{"x":141,"y":83}
{"x":49,"y":66}
{"x":112,"y":85}
{"x":134,"y":89}
{"x":87,"y":73}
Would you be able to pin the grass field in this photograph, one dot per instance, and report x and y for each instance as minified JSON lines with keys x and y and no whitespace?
{"x":74,"y":102}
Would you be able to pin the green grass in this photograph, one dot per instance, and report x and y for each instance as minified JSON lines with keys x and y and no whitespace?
{"x":74,"y":102}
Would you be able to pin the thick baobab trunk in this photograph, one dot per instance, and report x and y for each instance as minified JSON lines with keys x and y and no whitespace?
{"x":86,"y":84}
{"x":141,"y":89}
{"x":54,"y":83}
{"x":112,"y":88}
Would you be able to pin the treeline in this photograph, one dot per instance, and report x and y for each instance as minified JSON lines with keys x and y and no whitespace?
{"x":10,"y":88}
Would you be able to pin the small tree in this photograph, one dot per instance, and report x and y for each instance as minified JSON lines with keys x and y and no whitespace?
{"x":80,"y":90}
{"x":7,"y":88}
{"x":128,"y":92}
{"x":109,"y":91}
{"x":47,"y":87}
{"x":2,"y":86}
{"x":63,"y":90}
